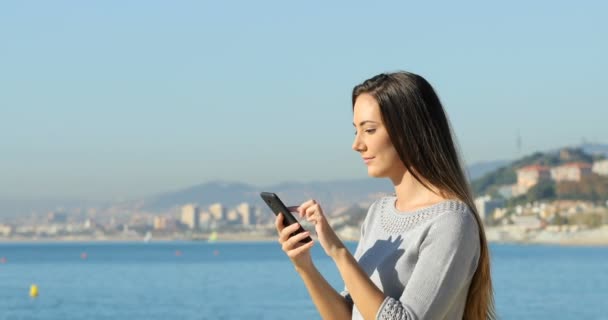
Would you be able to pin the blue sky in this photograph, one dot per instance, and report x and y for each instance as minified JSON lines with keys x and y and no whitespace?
{"x":120,"y":99}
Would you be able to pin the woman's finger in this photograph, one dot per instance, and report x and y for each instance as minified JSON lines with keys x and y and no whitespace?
{"x":287,"y":231}
{"x":304,"y":206}
{"x":295,"y":252}
{"x":312,"y":209}
{"x":278,"y":223}
{"x":295,"y":209}
{"x":313,"y":212}
{"x":293,"y":241}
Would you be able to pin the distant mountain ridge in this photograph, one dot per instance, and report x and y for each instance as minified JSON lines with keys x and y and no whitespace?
{"x":477,"y":170}
{"x":333,"y":194}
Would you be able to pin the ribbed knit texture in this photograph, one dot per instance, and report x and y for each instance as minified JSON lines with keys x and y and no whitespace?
{"x":423,"y":260}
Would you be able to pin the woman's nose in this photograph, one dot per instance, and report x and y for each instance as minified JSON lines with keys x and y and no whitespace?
{"x":357,"y":145}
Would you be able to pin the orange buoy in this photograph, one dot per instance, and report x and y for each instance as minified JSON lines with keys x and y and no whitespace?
{"x":84,"y":256}
{"x":178,"y":253}
{"x":2,"y":260}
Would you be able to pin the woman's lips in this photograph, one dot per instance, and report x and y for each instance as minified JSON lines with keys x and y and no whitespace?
{"x":367,"y":160}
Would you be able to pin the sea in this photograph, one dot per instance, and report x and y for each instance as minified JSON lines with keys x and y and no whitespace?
{"x":255,"y":280}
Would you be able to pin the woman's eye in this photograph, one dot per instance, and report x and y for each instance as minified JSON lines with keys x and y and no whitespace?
{"x":368,"y":131}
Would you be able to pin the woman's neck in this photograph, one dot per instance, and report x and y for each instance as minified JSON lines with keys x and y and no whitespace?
{"x":412,"y":195}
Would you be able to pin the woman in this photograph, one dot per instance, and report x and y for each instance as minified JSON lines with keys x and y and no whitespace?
{"x":422,"y":253}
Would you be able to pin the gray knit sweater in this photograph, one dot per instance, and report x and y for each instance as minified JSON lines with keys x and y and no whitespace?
{"x":422,"y":260}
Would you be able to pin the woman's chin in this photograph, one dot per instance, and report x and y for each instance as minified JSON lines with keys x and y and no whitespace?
{"x":374,"y":173}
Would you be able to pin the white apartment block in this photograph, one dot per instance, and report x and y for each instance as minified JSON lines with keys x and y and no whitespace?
{"x":247,"y":213}
{"x":218,"y":211}
{"x":190,"y":216}
{"x":573,"y":171}
{"x":600,"y":167}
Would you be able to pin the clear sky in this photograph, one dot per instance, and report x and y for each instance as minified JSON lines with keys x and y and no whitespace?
{"x":120,"y":99}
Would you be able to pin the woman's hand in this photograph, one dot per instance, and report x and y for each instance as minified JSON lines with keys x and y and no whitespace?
{"x":313,"y":213}
{"x":298,"y":252}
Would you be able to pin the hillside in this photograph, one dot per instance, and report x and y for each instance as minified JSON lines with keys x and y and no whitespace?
{"x":591,"y":188}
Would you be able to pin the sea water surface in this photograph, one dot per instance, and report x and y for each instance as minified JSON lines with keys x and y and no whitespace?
{"x":255,"y":280}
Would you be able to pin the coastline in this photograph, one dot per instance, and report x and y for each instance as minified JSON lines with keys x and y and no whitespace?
{"x":566,"y":237}
{"x":498,"y":235}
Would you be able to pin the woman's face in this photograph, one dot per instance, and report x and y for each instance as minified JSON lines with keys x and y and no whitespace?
{"x":372,"y":140}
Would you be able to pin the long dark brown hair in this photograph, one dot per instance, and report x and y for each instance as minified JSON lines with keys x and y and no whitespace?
{"x":420,"y":132}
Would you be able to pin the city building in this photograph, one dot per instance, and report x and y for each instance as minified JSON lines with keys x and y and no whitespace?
{"x":91,"y":224}
{"x":218,"y":211}
{"x":190,"y":216}
{"x":600,"y":167}
{"x":57,"y":217}
{"x":6,"y":230}
{"x":528,"y":222}
{"x":573,"y":171}
{"x":529,"y":176}
{"x":140,"y":220}
{"x":247,"y":213}
{"x":486,"y":206}
{"x":233,"y":217}
{"x":160,"y":223}
{"x":205,"y":218}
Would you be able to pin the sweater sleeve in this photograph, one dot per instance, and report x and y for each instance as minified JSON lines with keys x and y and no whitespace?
{"x":447,"y":260}
{"x":357,"y":254}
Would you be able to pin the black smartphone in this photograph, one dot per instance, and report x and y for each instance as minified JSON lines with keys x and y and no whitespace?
{"x":277,"y":206}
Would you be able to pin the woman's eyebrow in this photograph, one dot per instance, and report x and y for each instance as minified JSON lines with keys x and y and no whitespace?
{"x":364,"y":122}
